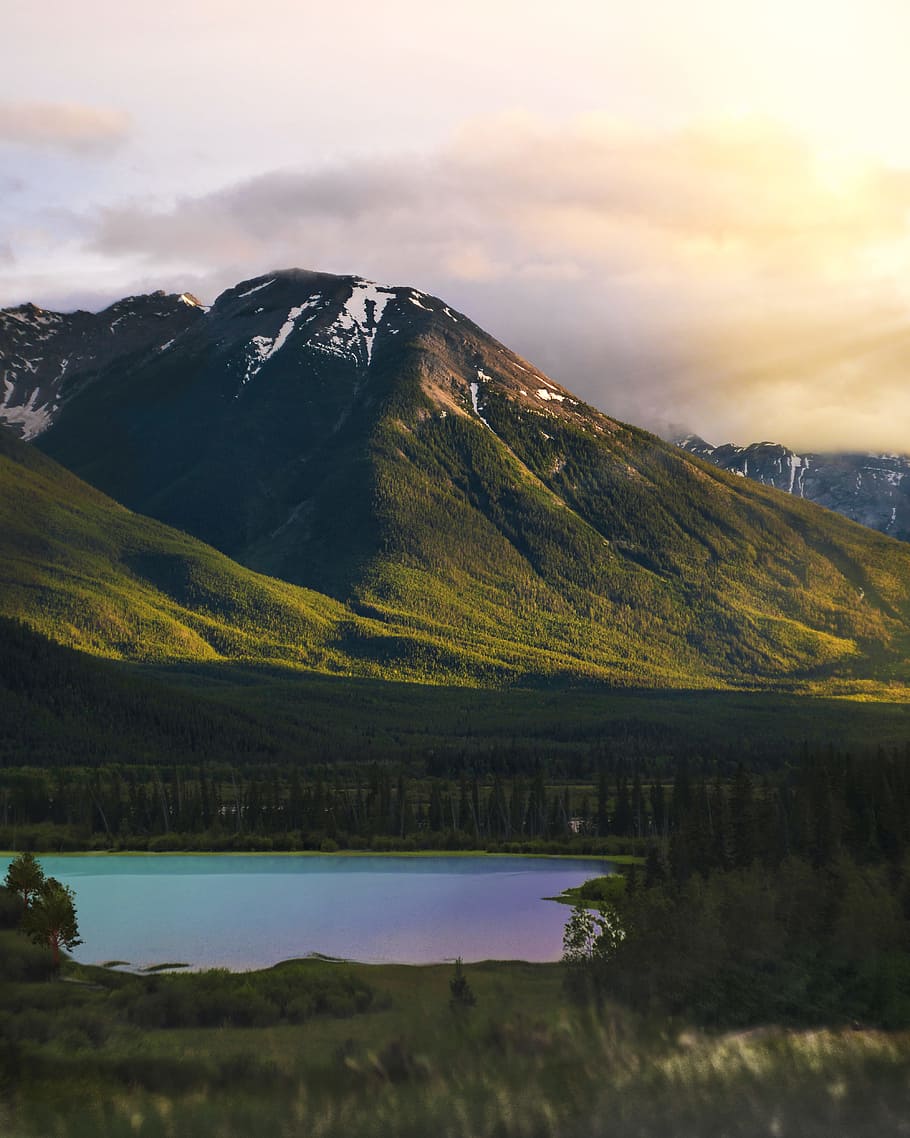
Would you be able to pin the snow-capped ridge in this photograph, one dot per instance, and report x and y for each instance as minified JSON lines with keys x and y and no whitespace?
{"x":868,"y":488}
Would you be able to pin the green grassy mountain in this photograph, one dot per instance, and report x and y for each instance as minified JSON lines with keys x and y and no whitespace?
{"x":458,"y":515}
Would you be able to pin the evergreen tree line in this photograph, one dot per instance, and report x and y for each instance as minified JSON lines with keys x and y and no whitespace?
{"x":122,"y":805}
{"x":827,"y":804}
{"x":765,"y":901}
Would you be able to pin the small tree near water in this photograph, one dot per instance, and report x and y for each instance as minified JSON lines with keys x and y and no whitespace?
{"x":24,"y":877}
{"x":461,"y":994}
{"x":590,"y":939}
{"x":51,"y":918}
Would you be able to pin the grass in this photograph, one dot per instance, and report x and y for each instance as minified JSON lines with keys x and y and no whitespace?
{"x":598,"y":890}
{"x":521,"y":1064}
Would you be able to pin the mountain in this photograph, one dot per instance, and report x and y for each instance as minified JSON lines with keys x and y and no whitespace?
{"x":454,"y":513}
{"x":868,"y":488}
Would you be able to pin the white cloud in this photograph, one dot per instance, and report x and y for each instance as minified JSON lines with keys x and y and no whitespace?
{"x":728,"y":277}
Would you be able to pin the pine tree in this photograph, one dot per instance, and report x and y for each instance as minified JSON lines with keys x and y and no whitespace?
{"x":51,"y":919}
{"x":25,"y":877}
{"x":462,"y":996}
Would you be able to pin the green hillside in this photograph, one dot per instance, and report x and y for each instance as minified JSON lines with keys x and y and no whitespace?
{"x":88,"y":573}
{"x":522,"y":591}
{"x":599,"y":538}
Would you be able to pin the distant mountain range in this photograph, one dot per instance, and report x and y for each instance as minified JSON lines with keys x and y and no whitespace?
{"x":868,"y":488}
{"x":433,"y":506}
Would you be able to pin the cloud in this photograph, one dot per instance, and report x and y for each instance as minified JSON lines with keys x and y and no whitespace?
{"x":62,"y":126}
{"x":728,"y":277}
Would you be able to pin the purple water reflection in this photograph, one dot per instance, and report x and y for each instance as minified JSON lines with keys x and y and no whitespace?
{"x":242,"y":911}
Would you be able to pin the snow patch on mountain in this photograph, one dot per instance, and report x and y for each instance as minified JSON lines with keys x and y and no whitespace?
{"x":262,"y":348}
{"x":475,"y":397}
{"x":255,"y":288}
{"x":352,"y":333}
{"x":365,"y":308}
{"x":796,"y":468}
{"x":29,"y":416}
{"x":288,"y":326}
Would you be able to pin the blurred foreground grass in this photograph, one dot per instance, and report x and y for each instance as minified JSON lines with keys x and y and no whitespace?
{"x":521,"y":1064}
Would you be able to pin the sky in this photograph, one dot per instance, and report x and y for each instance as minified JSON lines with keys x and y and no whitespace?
{"x":693,"y":213}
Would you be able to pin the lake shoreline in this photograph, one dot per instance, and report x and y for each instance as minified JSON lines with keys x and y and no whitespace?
{"x":619,"y":859}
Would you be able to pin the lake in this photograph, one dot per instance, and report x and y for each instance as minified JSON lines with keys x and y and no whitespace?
{"x":250,"y":911}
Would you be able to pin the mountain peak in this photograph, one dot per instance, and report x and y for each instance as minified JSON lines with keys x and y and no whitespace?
{"x":289,"y":320}
{"x":873,"y":490}
{"x":693,"y":443}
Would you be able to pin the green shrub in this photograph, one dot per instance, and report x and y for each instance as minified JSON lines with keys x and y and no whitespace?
{"x":20,"y":960}
{"x":10,"y":909}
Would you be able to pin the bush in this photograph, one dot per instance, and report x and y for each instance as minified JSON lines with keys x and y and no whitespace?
{"x":20,"y":960}
{"x":217,"y":998}
{"x":10,"y":909}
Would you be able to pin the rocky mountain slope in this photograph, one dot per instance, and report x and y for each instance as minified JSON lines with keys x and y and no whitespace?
{"x":46,"y":355}
{"x":462,"y":515}
{"x":868,"y":488}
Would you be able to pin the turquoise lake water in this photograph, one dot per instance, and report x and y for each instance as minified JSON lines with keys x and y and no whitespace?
{"x":240,"y":911}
